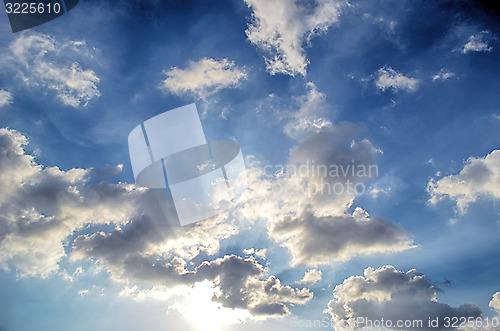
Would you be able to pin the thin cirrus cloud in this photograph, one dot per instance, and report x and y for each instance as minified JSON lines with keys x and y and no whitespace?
{"x":388,"y":78}
{"x":282,"y":29}
{"x":392,"y":295}
{"x":203,"y":78}
{"x":41,"y":60}
{"x":479,"y":178}
{"x":6,"y":98}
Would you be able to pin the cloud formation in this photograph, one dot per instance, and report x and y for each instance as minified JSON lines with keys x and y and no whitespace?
{"x":312,"y":276}
{"x":203,"y":77}
{"x":479,"y":178}
{"x":40,"y":60}
{"x":388,"y":78}
{"x":305,"y":204}
{"x":477,"y":43}
{"x":393,"y":295}
{"x":282,"y":29}
{"x":6,"y":98}
{"x":41,"y":206}
{"x":314,"y":240}
{"x":140,"y":254}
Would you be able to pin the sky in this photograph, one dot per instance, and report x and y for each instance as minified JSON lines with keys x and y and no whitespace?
{"x":398,"y":99}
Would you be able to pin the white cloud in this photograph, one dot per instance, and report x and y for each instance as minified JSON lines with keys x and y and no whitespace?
{"x":387,"y":77}
{"x":5,"y":98}
{"x":204,"y":77}
{"x":282,"y":28}
{"x":443,"y":75}
{"x":495,"y":302}
{"x":312,"y":276}
{"x":41,"y":206}
{"x":43,"y":61}
{"x":392,"y":295}
{"x":477,"y":43}
{"x":480,"y":177}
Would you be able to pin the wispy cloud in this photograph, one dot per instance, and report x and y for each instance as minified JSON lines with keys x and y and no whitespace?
{"x":203,"y":77}
{"x":282,"y":29}
{"x":6,"y":98}
{"x":443,"y":75}
{"x":43,"y":61}
{"x":311,"y":106}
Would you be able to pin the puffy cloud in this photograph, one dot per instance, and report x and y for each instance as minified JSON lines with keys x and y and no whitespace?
{"x":480,"y":177}
{"x":41,"y":206}
{"x":5,"y":98}
{"x":41,"y":60}
{"x":130,"y":255}
{"x":477,"y":43}
{"x":388,"y":78}
{"x":282,"y":28}
{"x":443,"y":75}
{"x":314,"y":240}
{"x":495,"y":302}
{"x":306,"y":203}
{"x":204,"y":77}
{"x":392,"y":295}
{"x":311,"y":276}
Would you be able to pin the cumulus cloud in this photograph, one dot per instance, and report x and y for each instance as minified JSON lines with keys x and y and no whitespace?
{"x":388,"y":78}
{"x":43,"y":61}
{"x":306,"y":202}
{"x":479,"y":178}
{"x":312,"y":276}
{"x":132,"y":255}
{"x":393,"y":295}
{"x":41,"y":206}
{"x":5,"y":98}
{"x":204,"y":77}
{"x":477,"y":43}
{"x":282,"y":28}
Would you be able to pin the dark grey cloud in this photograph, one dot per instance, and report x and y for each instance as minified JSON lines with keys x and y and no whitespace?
{"x":316,"y":240}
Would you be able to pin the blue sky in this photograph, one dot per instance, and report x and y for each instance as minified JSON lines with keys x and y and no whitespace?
{"x":411,"y":87}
